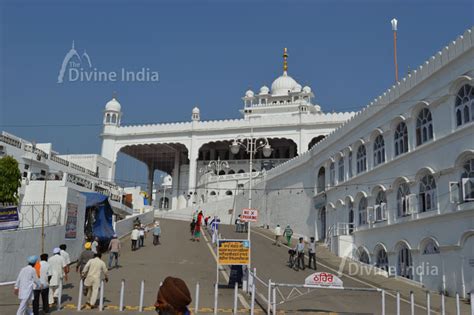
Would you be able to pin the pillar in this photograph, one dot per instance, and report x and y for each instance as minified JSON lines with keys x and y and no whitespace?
{"x":151,"y":173}
{"x":175,"y":183}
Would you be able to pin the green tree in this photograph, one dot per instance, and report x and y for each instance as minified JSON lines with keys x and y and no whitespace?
{"x":10,"y":180}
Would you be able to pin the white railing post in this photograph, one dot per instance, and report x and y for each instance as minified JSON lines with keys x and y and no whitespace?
{"x":60,"y":294}
{"x":274,"y":300}
{"x":216,"y":288}
{"x":142,"y":292}
{"x":101,"y":296}
{"x":236,"y":291}
{"x":383,"y":302}
{"x":79,"y":297}
{"x":428,"y":302}
{"x":122,"y":290}
{"x":412,"y":303}
{"x":252,"y":302}
{"x":458,"y":306}
{"x":471,"y":295}
{"x":269,"y":297}
{"x":196,"y":302}
{"x":398,"y":303}
{"x":443,"y":308}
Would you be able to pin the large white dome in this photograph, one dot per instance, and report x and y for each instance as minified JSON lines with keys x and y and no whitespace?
{"x":113,"y":105}
{"x":283,"y":84}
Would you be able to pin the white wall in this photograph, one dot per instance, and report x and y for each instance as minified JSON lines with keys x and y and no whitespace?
{"x":125,"y":226}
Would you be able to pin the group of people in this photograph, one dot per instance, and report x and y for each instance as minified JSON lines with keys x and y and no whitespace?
{"x":42,"y":277}
{"x":241,"y":226}
{"x":297,"y":253}
{"x":138,"y":235}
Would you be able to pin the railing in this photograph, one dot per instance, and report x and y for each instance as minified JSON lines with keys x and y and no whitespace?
{"x":59,"y":160}
{"x":101,"y":190}
{"x":29,"y":148}
{"x":31,"y":216}
{"x":79,"y":181}
{"x":114,"y":197}
{"x":10,"y":141}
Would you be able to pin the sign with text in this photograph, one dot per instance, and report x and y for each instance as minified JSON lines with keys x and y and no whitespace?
{"x":71,"y":223}
{"x":324,"y":280}
{"x":233,"y":252}
{"x":9,"y":219}
{"x":249,"y":215}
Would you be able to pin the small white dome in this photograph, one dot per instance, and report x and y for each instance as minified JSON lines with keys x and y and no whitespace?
{"x":283,"y":84}
{"x":196,"y":110}
{"x":307,"y":89}
{"x":249,"y":93}
{"x":264,"y":90}
{"x":297,"y":88}
{"x":113,"y":105}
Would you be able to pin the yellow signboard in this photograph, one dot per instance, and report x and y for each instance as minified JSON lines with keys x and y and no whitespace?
{"x":233,"y":252}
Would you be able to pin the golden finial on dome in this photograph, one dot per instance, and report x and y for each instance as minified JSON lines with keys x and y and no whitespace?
{"x":285,"y":57}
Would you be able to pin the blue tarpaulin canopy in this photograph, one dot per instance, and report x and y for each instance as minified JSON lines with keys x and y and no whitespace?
{"x":99,"y":216}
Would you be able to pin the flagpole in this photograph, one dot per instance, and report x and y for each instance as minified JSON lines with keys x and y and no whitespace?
{"x":394,"y":29}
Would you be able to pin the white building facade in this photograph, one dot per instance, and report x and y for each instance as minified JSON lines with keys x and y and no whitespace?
{"x":284,"y":113}
{"x":393,"y":187}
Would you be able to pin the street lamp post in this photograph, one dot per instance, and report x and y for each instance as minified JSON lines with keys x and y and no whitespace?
{"x":217,"y":166}
{"x":251,"y":145}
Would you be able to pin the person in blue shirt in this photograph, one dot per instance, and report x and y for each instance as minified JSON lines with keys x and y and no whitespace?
{"x":156,"y":233}
{"x":300,"y":253}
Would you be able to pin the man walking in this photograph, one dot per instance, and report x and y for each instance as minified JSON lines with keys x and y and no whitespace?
{"x":134,"y":237}
{"x":156,"y":233}
{"x":67,"y":259}
{"x":114,"y":251}
{"x":95,"y":245}
{"x":58,"y":267}
{"x":43,"y":290}
{"x":26,"y":282}
{"x":288,"y":233}
{"x":85,"y":256}
{"x":141,"y":241}
{"x":92,"y":275}
{"x":277,"y":233}
{"x":300,"y":254}
{"x":312,"y":253}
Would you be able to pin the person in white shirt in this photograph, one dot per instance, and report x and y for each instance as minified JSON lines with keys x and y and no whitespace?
{"x":312,"y":253}
{"x":134,"y":237}
{"x":67,"y":259}
{"x":43,"y":291}
{"x":141,"y":241}
{"x":95,"y":245}
{"x":92,"y":275}
{"x":277,"y":233}
{"x":58,"y":265}
{"x":26,"y":282}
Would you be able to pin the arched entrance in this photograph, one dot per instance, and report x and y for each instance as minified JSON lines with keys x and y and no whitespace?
{"x":314,"y":141}
{"x":405,"y":262}
{"x":381,"y":259}
{"x":322,"y":215}
{"x":321,"y":180}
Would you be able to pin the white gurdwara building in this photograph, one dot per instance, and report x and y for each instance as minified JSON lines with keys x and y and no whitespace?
{"x":391,"y":186}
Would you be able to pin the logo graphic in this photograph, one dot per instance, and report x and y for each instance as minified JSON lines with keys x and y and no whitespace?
{"x":73,"y":60}
{"x":78,"y":68}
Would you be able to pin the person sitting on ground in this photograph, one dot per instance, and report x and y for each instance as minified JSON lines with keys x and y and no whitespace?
{"x":173,"y":297}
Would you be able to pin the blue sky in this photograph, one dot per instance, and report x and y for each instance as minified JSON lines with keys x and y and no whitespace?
{"x":207,"y":53}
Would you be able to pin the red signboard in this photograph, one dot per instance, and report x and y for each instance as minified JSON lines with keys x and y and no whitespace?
{"x":249,"y":215}
{"x":324,"y":280}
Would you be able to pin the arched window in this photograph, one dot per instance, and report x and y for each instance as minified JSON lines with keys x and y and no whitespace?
{"x":467,"y":180}
{"x":350,"y":208}
{"x":114,"y":119}
{"x":213,"y":193}
{"x":332,"y":174}
{"x":231,"y":172}
{"x":401,"y":139}
{"x":321,"y":180}
{"x":379,"y":150}
{"x":427,"y":197}
{"x":424,"y":127}
{"x":363,"y":211}
{"x":381,"y":258}
{"x":361,"y":159}
{"x":430,"y":248}
{"x":403,"y":194}
{"x":228,"y":193}
{"x":221,"y":172}
{"x":340,"y":169}
{"x":107,"y":118}
{"x":363,"y":256}
{"x":241,"y":171}
{"x":381,"y":206}
{"x":464,"y":105}
{"x":350,"y":163}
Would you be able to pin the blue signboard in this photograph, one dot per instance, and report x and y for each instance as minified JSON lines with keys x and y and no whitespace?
{"x":9,"y":219}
